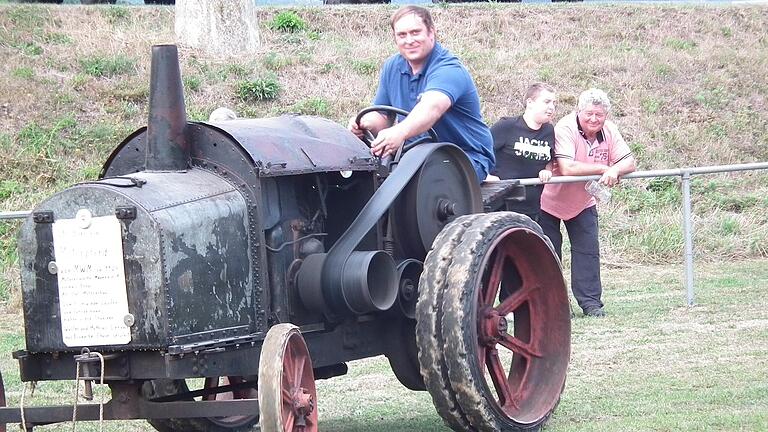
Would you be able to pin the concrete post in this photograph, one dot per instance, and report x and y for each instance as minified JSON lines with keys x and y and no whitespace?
{"x":218,"y":27}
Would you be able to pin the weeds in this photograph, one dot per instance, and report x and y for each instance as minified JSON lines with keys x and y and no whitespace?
{"x":101,"y":66}
{"x":545,"y":74}
{"x":365,"y":67}
{"x":24,"y":72}
{"x":27,"y":17}
{"x":192,"y":83}
{"x":327,"y":68}
{"x":78,"y":81}
{"x":258,"y":89}
{"x":729,"y":226}
{"x":131,"y":92}
{"x":651,"y":105}
{"x":313,"y":106}
{"x":275,"y":62}
{"x":57,"y":39}
{"x":662,"y":70}
{"x":287,"y":21}
{"x":42,"y":141}
{"x":235,"y":70}
{"x":712,"y":99}
{"x":680,"y":44}
{"x":8,"y":257}
{"x":117,"y":14}
{"x":31,"y":48}
{"x":9,"y":187}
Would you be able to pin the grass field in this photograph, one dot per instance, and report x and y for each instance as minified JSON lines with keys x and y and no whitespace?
{"x":653,"y":364}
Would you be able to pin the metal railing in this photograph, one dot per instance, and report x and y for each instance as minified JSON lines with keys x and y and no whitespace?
{"x":684,"y":173}
{"x":14,"y":215}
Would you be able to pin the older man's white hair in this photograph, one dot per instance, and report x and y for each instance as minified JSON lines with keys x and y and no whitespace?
{"x":222,"y":114}
{"x":593,"y":97}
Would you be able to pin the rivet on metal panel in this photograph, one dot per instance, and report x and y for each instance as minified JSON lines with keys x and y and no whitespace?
{"x":83,"y":217}
{"x":129,"y":320}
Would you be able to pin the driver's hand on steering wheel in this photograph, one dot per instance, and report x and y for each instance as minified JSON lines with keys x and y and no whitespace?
{"x":387,"y":142}
{"x":355,"y":129}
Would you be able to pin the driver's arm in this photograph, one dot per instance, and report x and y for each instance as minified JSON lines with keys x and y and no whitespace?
{"x":425,"y":114}
{"x":372,"y":121}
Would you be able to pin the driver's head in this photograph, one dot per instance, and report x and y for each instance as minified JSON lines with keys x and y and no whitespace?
{"x":414,"y":33}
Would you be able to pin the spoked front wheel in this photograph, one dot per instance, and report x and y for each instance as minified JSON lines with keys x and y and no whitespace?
{"x":493,"y":324}
{"x":288,"y":398}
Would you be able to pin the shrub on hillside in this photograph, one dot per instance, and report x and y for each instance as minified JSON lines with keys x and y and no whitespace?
{"x":287,"y":21}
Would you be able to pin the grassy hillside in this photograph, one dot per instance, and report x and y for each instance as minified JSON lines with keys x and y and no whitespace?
{"x":688,"y":85}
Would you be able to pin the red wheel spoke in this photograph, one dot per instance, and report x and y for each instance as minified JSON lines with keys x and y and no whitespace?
{"x":289,"y":422}
{"x":298,"y":372}
{"x":492,"y":289}
{"x":515,"y":300}
{"x":517,"y":346}
{"x":288,"y":369}
{"x":287,"y":396}
{"x":499,"y":377}
{"x":481,"y":353}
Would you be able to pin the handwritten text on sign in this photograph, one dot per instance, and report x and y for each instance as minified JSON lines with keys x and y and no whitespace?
{"x":92,"y":293}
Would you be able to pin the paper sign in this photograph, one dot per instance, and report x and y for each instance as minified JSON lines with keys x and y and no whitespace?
{"x":91,"y":275}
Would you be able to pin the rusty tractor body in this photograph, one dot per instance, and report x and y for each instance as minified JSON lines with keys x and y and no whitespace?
{"x":215,"y":270}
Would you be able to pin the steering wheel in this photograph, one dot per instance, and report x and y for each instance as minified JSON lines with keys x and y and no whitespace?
{"x":392,"y":113}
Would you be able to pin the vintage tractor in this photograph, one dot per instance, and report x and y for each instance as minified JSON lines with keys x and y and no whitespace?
{"x":216,"y":270}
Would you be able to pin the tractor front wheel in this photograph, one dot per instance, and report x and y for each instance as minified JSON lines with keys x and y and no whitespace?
{"x":288,"y":397}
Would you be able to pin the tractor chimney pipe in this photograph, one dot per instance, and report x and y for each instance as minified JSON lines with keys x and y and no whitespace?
{"x":167,"y":144}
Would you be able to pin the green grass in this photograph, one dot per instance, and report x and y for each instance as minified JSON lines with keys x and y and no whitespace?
{"x":653,"y":364}
{"x":313,"y":106}
{"x":107,"y":66}
{"x":275,"y":61}
{"x":258,"y":89}
{"x":24,"y":72}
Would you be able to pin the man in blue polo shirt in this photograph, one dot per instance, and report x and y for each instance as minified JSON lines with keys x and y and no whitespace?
{"x":431,"y":83}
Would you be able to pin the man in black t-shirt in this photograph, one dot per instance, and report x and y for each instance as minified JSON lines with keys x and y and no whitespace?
{"x":525,"y":146}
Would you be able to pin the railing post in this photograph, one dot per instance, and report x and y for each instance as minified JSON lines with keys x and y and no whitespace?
{"x":688,"y":234}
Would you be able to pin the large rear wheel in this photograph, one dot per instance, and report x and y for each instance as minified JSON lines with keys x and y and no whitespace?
{"x":493,"y":291}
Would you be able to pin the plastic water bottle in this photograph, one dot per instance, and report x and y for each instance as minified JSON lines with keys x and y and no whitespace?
{"x":601,"y":193}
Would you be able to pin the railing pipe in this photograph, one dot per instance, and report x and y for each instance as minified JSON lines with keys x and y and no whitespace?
{"x":677,"y":172}
{"x":14,"y":214}
{"x":685,"y":174}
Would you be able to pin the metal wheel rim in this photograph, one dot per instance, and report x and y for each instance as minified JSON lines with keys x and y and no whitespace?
{"x":298,"y":380}
{"x":287,"y":393}
{"x":525,"y":390}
